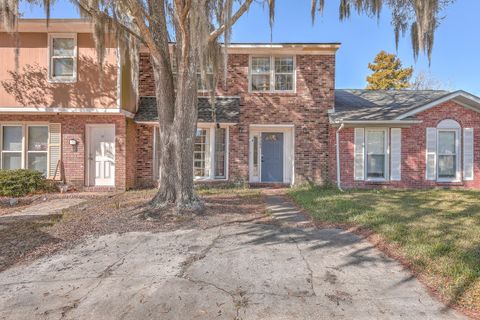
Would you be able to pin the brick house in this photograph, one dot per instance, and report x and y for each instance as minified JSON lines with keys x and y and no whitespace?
{"x":278,"y":119}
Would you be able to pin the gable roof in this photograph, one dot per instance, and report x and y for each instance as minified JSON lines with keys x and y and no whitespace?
{"x":392,"y":105}
{"x":227,"y":109}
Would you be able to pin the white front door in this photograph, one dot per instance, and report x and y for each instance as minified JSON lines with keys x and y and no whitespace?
{"x":101,"y":155}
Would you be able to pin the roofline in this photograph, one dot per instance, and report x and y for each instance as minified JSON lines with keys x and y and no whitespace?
{"x":447,"y":97}
{"x":374,"y":122}
{"x":54,"y":25}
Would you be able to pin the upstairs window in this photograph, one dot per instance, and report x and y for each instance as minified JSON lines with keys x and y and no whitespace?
{"x":202,"y":86}
{"x":63,"y":57}
{"x":272,"y":74}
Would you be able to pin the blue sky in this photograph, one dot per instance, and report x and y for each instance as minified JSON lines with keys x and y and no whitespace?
{"x":455,"y":59}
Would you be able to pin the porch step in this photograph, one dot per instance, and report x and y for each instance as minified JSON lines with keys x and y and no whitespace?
{"x":99,"y":189}
{"x":276,"y":185}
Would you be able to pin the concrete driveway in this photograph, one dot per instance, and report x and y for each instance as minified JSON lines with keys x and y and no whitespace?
{"x":244,"y":271}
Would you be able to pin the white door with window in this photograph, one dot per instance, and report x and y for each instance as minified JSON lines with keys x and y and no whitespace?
{"x":101,"y":155}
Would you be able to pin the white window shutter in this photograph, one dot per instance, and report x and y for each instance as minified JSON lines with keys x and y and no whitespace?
{"x":396,"y":154}
{"x":468,"y":154}
{"x":54,"y":150}
{"x":359,"y":154}
{"x":431,"y":154}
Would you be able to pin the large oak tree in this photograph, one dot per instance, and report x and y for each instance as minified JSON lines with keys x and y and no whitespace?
{"x":200,"y":30}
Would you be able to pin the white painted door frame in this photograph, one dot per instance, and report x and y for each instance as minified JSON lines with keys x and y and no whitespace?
{"x":90,"y":160}
{"x":288,"y":131}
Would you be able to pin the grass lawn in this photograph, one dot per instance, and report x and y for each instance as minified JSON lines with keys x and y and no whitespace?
{"x":436,"y":231}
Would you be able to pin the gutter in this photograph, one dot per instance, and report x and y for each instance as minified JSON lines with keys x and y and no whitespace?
{"x":337,"y":136}
{"x":375,"y":122}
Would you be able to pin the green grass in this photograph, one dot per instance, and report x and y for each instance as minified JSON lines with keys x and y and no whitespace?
{"x":437,"y":231}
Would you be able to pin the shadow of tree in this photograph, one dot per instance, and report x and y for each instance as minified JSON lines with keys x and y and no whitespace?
{"x":30,"y":87}
{"x":21,"y":236}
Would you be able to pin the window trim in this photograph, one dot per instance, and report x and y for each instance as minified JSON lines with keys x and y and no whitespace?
{"x":210,"y":127}
{"x":24,"y":152}
{"x":386,"y":149}
{"x":51,"y":78}
{"x":272,"y":73}
{"x":458,"y":155}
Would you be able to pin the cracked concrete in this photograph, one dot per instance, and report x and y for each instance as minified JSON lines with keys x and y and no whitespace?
{"x":239,"y":271}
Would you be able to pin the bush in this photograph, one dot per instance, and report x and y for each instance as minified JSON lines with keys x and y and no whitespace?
{"x":19,"y":183}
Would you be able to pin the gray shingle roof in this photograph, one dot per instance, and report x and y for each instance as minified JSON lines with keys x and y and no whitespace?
{"x":380,"y":104}
{"x":227,"y":108}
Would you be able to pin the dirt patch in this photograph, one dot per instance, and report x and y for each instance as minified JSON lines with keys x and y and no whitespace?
{"x":23,"y":239}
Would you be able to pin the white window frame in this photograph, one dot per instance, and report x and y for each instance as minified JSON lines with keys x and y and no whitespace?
{"x":51,"y":78}
{"x":24,"y":152}
{"x":211,"y":152}
{"x":271,"y":73}
{"x":386,"y":149}
{"x":458,"y":155}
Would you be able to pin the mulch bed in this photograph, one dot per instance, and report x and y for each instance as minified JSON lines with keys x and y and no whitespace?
{"x":24,"y":239}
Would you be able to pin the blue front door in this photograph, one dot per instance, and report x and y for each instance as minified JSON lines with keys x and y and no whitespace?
{"x":272,"y":157}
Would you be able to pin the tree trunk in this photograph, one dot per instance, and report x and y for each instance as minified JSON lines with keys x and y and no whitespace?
{"x":177,"y":125}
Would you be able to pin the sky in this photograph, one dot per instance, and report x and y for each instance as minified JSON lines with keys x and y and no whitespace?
{"x":456,"y":53}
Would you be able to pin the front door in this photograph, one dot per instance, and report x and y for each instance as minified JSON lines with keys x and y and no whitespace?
{"x":272,"y":157}
{"x":102,"y":155}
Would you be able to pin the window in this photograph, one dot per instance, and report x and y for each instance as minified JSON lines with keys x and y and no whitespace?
{"x":272,"y":74}
{"x":201,"y":85}
{"x":37,"y":152}
{"x":376,"y":153}
{"x":200,"y":168}
{"x":63,"y":57}
{"x":448,"y":149}
{"x":220,"y":153}
{"x":31,"y":155}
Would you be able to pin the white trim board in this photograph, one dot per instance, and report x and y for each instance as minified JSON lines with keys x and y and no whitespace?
{"x":452,"y":96}
{"x":23,"y":110}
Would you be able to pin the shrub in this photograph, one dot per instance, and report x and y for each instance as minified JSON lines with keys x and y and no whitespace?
{"x":18,"y":183}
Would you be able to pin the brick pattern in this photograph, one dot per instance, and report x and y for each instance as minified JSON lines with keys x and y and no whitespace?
{"x":413,"y":150}
{"x":74,"y":127}
{"x":144,"y":158}
{"x":306,"y":109}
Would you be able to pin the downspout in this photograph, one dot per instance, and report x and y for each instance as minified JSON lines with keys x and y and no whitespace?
{"x":337,"y":136}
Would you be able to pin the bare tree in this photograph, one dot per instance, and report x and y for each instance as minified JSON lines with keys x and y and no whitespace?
{"x":424,"y":80}
{"x":196,"y":27}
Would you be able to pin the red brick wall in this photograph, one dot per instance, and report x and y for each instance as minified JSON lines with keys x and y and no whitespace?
{"x":73,"y":127}
{"x":144,"y":158}
{"x":306,"y":109}
{"x":413,"y":149}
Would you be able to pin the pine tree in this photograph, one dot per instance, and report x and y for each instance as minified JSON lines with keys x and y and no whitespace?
{"x":388,"y":73}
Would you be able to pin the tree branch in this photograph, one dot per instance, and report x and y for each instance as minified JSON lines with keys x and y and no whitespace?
{"x":93,"y":11}
{"x":217,"y":33}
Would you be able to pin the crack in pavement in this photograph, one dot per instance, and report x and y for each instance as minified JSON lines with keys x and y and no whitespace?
{"x":307,"y":264}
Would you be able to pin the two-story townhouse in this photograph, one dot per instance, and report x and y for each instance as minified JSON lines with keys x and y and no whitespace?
{"x":60,"y":113}
{"x":271,"y":117}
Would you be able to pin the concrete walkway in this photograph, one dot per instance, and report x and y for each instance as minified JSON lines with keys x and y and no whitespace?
{"x":46,"y":208}
{"x":242,"y":271}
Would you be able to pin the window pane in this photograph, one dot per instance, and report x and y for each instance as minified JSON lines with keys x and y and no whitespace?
{"x":62,"y":67}
{"x":375,"y":166}
{"x":202,"y":85}
{"x":283,"y":82}
{"x":37,"y":138}
{"x":284,"y":65}
{"x":446,"y":142}
{"x":376,"y":142}
{"x":260,"y":64}
{"x":38,"y":161}
{"x":446,"y":166}
{"x":260,"y":82}
{"x":12,"y":138}
{"x":64,"y":47}
{"x":12,"y":161}
{"x":200,"y":153}
{"x":220,"y":148}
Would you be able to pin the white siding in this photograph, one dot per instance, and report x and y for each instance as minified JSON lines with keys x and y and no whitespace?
{"x":431,"y":154}
{"x":468,"y":154}
{"x":396,"y":154}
